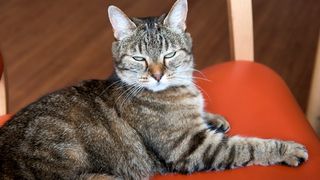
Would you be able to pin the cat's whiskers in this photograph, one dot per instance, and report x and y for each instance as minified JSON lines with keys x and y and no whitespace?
{"x":132,"y":91}
{"x":136,"y":91}
{"x":193,"y":83}
{"x":124,"y":98}
{"x":202,"y":90}
{"x":201,"y":73}
{"x":204,"y":77}
{"x":113,"y":84}
{"x":193,"y":77}
{"x":127,"y":95}
{"x":123,"y":93}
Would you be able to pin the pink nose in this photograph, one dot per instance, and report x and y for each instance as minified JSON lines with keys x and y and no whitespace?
{"x":157,"y":76}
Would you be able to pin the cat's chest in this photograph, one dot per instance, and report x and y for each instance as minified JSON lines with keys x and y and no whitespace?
{"x":195,"y":102}
{"x":178,"y":103}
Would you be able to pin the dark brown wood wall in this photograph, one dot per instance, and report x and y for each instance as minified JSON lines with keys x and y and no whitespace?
{"x":49,"y":44}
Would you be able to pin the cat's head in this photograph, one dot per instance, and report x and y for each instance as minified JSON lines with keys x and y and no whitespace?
{"x":153,"y":52}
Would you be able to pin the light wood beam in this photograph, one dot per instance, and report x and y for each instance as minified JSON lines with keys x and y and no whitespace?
{"x":241,"y":29}
{"x":313,"y":110}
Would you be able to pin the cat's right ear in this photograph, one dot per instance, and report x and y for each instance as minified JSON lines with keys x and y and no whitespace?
{"x":121,"y":24}
{"x":176,"y":18}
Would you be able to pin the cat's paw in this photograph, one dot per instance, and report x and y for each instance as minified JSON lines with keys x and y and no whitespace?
{"x":294,"y":154}
{"x":217,"y":122}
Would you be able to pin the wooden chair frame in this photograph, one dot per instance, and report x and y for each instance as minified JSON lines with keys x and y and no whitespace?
{"x":241,"y":29}
{"x":313,"y":109}
{"x":3,"y":90}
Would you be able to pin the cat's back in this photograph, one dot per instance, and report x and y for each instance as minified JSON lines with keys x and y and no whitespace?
{"x":66,"y":108}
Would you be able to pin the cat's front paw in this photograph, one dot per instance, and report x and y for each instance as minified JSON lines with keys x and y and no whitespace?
{"x":294,"y":154}
{"x":217,"y":122}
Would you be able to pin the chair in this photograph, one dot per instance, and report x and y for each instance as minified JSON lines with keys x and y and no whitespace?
{"x":255,"y":100}
{"x":313,"y":110}
{"x":3,"y":94}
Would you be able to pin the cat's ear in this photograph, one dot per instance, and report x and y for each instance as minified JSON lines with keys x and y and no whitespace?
{"x":177,"y":16}
{"x":121,"y":24}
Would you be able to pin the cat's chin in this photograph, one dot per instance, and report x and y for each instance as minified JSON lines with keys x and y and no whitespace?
{"x":158,"y":87}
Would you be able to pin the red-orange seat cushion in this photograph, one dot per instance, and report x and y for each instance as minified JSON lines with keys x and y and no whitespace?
{"x":4,"y":119}
{"x":256,"y":102}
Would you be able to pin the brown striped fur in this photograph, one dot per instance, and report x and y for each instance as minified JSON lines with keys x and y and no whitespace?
{"x":136,"y":123}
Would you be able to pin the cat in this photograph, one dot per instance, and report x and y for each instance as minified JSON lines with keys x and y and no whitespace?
{"x":147,"y":118}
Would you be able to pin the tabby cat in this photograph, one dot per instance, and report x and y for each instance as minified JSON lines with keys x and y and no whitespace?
{"x":147,"y":118}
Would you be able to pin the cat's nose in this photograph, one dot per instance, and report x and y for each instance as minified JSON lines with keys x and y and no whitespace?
{"x":157,"y":76}
{"x":156,"y":71}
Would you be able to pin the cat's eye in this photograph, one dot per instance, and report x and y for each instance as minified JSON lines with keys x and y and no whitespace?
{"x":170,"y":55}
{"x":138,"y":58}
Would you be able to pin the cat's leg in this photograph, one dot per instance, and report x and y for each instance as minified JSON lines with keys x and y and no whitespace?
{"x":208,"y":151}
{"x":239,"y":151}
{"x":216,"y":122}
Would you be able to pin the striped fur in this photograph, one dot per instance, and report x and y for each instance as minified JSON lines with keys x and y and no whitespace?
{"x":147,"y":118}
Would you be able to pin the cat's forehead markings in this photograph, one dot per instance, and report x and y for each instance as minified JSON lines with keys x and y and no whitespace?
{"x":149,"y":24}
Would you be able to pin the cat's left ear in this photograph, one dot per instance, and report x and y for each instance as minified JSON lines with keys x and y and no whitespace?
{"x":177,"y":16}
{"x":121,"y":24}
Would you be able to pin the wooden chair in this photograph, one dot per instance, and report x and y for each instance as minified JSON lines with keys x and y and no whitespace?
{"x":3,"y":91}
{"x":313,"y":109}
{"x":255,"y":100}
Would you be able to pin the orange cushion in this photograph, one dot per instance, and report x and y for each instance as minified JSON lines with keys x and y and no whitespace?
{"x":4,"y":119}
{"x":257,"y":103}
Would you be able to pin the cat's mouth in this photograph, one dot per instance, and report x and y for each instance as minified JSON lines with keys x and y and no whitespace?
{"x":158,"y":86}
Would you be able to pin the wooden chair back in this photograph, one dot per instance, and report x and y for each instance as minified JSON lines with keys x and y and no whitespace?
{"x":241,"y":29}
{"x":3,"y":90}
{"x":313,"y":109}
